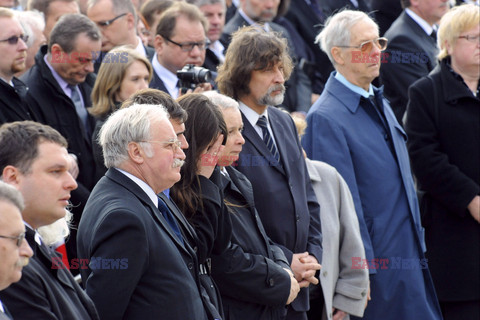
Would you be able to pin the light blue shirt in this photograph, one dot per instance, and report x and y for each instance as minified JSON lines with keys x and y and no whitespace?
{"x":142,"y":184}
{"x":353,"y":87}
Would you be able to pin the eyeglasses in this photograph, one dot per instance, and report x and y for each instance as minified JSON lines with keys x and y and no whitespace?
{"x":109,"y":22}
{"x":173,"y":144}
{"x":367,"y":46}
{"x":188,"y":46}
{"x":14,"y":39}
{"x":19,"y":238}
{"x":472,"y":39}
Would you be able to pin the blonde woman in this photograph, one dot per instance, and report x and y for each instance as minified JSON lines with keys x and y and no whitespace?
{"x":123,"y":72}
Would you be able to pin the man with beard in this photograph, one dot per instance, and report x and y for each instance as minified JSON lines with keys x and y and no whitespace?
{"x":141,"y":265}
{"x":255,"y":69}
{"x":13,"y":50}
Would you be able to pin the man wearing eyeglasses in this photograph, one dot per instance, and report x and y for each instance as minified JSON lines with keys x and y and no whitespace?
{"x":14,"y":250}
{"x":117,"y":20}
{"x":180,"y":40}
{"x":125,"y":219}
{"x":13,"y":51}
{"x":353,"y":128}
{"x":412,"y":49}
{"x":39,"y":170}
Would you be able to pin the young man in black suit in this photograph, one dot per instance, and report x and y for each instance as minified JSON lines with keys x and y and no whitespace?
{"x":39,"y":170}
{"x":255,"y":69}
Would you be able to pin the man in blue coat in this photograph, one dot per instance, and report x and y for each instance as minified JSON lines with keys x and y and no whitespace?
{"x":254,"y":72}
{"x":353,"y":128}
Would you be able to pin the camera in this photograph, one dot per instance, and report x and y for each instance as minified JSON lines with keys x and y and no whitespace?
{"x":191,"y":75}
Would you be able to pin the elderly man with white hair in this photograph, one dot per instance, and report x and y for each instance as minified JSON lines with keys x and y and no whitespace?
{"x":353,"y":128}
{"x":140,"y":265}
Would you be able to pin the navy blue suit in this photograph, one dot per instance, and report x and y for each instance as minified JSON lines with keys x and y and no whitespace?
{"x":283,"y":194}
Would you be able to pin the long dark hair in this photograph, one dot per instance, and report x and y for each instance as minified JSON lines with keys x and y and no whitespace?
{"x":204,"y":124}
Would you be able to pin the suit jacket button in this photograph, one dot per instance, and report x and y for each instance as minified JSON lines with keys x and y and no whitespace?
{"x":271,"y":282}
{"x":190,"y":265}
{"x":325,"y":274}
{"x":363,"y":293}
{"x":298,"y":217}
{"x":195,"y":248}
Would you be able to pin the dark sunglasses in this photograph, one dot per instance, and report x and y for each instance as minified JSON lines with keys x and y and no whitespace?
{"x":14,"y":39}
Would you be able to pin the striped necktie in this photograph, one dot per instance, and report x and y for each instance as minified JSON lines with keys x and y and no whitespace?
{"x":267,"y":138}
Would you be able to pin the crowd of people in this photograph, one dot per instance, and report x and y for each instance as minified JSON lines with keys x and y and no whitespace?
{"x":239,"y":159}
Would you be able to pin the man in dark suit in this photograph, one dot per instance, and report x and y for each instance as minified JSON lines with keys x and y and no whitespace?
{"x":60,"y":84}
{"x":126,"y":221}
{"x":14,"y":250}
{"x":180,"y":39}
{"x":13,"y":50}
{"x":39,"y":170}
{"x":254,"y":73}
{"x":117,"y":20}
{"x":412,"y":50}
{"x":260,"y":14}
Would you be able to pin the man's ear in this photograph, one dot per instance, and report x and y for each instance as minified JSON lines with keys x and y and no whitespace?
{"x":338,"y":55}
{"x":11,"y":175}
{"x":136,"y":153}
{"x":131,"y":21}
{"x":158,"y":43}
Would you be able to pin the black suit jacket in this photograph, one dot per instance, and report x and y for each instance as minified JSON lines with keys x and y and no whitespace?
{"x":13,"y":106}
{"x":47,"y":290}
{"x":250,"y":272}
{"x":211,"y":60}
{"x":283,"y":193}
{"x":386,"y":11}
{"x":157,"y":83}
{"x":411,"y":54}
{"x":160,"y":280}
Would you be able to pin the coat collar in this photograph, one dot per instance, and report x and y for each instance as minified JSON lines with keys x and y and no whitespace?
{"x":452,"y":89}
{"x":312,"y":171}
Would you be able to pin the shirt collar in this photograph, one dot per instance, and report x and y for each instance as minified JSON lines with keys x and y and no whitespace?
{"x":169,"y":79}
{"x":62,"y":83}
{"x":140,"y":48}
{"x":1,"y":307}
{"x":251,"y":115}
{"x":422,"y":23}
{"x":218,"y":49}
{"x":266,"y":26}
{"x":142,"y":184}
{"x":353,"y":87}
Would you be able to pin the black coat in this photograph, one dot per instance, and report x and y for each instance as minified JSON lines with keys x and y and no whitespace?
{"x":47,"y":290}
{"x":53,"y":107}
{"x":250,"y":273}
{"x":410,"y":55}
{"x":444,"y":147}
{"x":13,"y":106}
{"x":161,"y":279}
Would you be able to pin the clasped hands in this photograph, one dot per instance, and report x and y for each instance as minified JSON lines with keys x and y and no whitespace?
{"x":304,"y":267}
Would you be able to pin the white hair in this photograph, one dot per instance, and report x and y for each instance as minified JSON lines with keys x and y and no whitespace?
{"x":221,"y":100}
{"x":127,"y":125}
{"x":338,"y":30}
{"x":30,"y":20}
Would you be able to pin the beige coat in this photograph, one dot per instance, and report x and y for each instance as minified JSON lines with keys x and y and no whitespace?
{"x":344,"y":288}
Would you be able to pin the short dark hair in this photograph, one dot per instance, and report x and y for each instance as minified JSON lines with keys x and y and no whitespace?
{"x":11,"y":195}
{"x":20,"y":140}
{"x":43,"y":6}
{"x":251,"y":49}
{"x":168,"y":19}
{"x":152,"y":7}
{"x":67,"y":29}
{"x":154,"y":96}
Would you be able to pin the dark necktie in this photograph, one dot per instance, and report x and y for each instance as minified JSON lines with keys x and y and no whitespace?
{"x":167,"y":214}
{"x":79,"y":108}
{"x":434,"y":35}
{"x":267,"y":138}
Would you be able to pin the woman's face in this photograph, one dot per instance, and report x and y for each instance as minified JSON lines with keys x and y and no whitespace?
{"x":465,"y":53}
{"x":235,"y":141}
{"x":136,"y":78}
